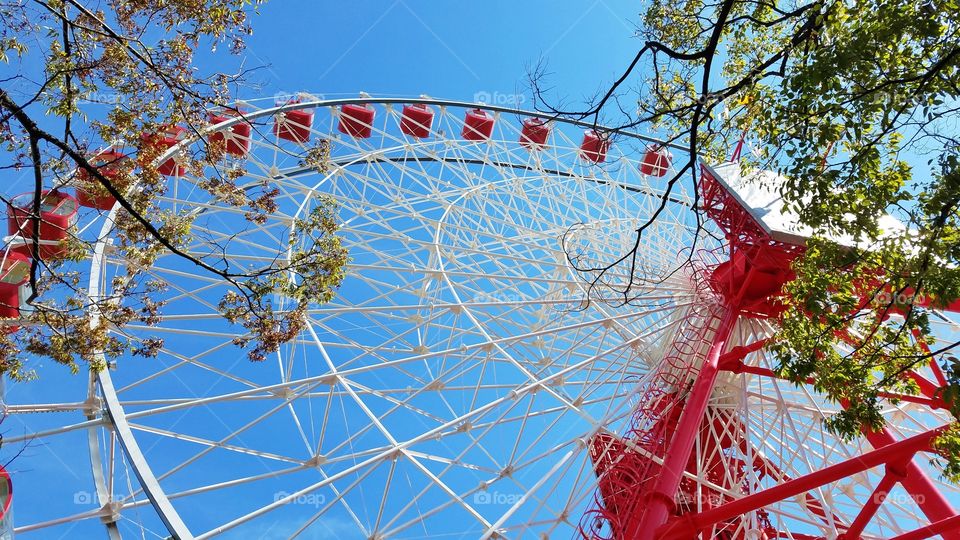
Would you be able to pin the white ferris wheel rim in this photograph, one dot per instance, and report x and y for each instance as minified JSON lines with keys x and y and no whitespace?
{"x":153,"y":491}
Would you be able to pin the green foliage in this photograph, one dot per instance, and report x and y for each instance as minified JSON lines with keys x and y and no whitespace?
{"x":135,"y":60}
{"x":314,"y":270}
{"x":948,"y":444}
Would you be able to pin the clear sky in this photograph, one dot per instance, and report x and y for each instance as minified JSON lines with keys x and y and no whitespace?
{"x":450,"y":50}
{"x":444,"y":49}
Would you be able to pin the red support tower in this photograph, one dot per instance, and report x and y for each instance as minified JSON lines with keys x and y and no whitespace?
{"x":643,"y":493}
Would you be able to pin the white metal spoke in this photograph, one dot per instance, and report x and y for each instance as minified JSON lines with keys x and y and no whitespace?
{"x":452,"y":385}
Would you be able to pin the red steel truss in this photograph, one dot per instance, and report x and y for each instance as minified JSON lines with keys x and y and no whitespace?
{"x":643,"y":493}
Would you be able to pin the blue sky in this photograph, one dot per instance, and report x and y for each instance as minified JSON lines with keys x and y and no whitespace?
{"x":451,"y":50}
{"x":444,"y":49}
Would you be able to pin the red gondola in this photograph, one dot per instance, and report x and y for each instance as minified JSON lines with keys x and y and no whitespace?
{"x":167,"y":138}
{"x":594,"y":146}
{"x":356,"y":121}
{"x":89,"y":191}
{"x":477,"y":126}
{"x":656,"y":161}
{"x":58,"y":212}
{"x":236,"y":138}
{"x":14,"y":274}
{"x":416,"y":120}
{"x":534,"y":134}
{"x":293,"y":125}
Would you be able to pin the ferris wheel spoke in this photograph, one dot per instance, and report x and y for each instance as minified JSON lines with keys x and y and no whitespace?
{"x":499,"y":341}
{"x":459,"y":358}
{"x":233,"y":483}
{"x":471,"y":492}
{"x":168,"y":274}
{"x":400,"y":184}
{"x":39,"y":435}
{"x":182,"y":361}
{"x":228,"y":335}
{"x":338,"y":499}
{"x":388,"y":453}
{"x":213,"y":444}
{"x":45,"y":408}
{"x":494,"y":528}
{"x":211,"y":249}
{"x":202,"y":208}
{"x":190,"y":295}
{"x":219,"y":443}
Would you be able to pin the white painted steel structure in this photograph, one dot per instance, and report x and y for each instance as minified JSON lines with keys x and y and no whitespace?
{"x":451,"y":386}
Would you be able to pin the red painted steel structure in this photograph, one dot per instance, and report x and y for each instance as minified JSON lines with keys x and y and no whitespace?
{"x":643,"y":493}
{"x":687,"y":526}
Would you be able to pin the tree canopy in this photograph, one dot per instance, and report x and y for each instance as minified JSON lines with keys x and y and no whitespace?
{"x":137,"y":60}
{"x":855,"y":104}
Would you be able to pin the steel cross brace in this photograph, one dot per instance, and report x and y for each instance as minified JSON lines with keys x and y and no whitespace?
{"x":660,"y":503}
{"x":688,"y":526}
{"x":915,"y":480}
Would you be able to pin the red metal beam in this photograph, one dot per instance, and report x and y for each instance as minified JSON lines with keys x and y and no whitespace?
{"x":737,"y":354}
{"x":940,"y":527}
{"x":893,"y":475}
{"x":814,"y":505}
{"x":917,"y":483}
{"x":689,"y":525}
{"x":931,"y":400}
{"x":660,"y":503}
{"x":934,"y":366}
{"x":929,"y":499}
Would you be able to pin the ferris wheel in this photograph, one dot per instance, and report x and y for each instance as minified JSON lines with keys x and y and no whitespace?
{"x":465,"y":381}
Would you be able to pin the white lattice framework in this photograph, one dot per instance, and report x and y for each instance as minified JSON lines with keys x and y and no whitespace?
{"x":449,"y":390}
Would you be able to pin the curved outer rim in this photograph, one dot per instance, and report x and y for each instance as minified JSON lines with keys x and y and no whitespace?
{"x":112,"y":406}
{"x":104,"y":495}
{"x":419,"y":101}
{"x":116,"y":416}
